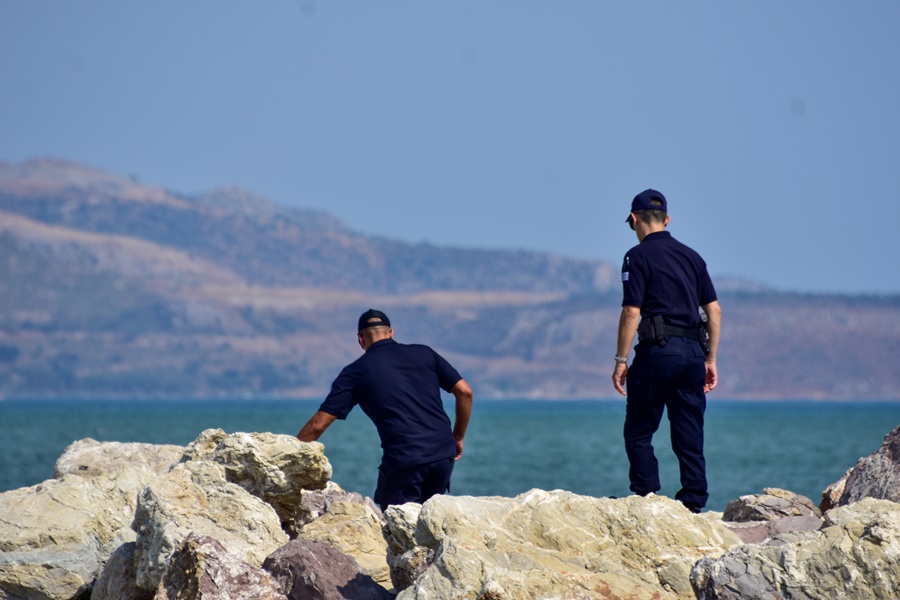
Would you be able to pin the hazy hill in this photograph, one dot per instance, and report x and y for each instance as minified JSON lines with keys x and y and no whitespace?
{"x":110,"y":287}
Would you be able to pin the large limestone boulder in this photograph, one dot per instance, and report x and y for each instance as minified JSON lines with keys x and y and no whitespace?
{"x":196,"y":497}
{"x":877,"y":475}
{"x":201,"y":569}
{"x":856,"y":555}
{"x":559,"y":544}
{"x":56,"y":536}
{"x":276,"y":468}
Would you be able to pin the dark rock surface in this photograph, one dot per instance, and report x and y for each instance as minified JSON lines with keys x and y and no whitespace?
{"x":118,"y":580}
{"x":877,"y":475}
{"x":202,"y":569}
{"x":309,"y":570}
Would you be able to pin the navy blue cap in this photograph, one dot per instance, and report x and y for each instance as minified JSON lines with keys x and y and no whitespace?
{"x":372,"y":318}
{"x":645,"y":201}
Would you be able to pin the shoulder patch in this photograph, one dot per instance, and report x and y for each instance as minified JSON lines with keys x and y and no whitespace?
{"x":624,"y":275}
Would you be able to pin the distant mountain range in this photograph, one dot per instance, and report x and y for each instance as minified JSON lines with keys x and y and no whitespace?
{"x":113,"y":288}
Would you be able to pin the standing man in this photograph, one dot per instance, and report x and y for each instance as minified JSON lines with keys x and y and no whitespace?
{"x":398,"y":387}
{"x":665,"y":284}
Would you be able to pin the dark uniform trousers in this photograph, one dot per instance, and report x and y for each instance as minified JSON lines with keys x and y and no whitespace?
{"x":414,"y":484}
{"x":670,"y":377}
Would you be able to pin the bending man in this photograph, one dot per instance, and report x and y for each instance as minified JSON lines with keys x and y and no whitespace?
{"x":398,"y":387}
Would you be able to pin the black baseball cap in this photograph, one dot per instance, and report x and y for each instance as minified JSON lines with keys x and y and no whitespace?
{"x":372,"y":318}
{"x":645,"y":201}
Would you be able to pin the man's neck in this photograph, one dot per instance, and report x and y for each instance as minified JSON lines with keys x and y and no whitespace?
{"x":644,"y":232}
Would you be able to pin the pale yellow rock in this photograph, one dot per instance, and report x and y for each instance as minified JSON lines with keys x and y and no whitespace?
{"x":56,"y":536}
{"x":355,"y":530}
{"x":561,"y":545}
{"x":274,"y":467}
{"x":195,"y":497}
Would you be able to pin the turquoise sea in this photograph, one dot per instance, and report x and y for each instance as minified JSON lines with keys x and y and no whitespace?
{"x":512,"y":445}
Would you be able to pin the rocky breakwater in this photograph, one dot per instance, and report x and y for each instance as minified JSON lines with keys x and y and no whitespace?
{"x":141,"y":521}
{"x":256,"y":516}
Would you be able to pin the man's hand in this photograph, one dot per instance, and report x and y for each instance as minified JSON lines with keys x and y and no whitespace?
{"x":618,"y":377}
{"x":712,"y":376}
{"x":459,"y":450}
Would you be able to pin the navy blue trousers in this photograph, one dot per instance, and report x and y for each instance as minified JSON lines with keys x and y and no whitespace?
{"x":669,"y":377}
{"x":415,"y":484}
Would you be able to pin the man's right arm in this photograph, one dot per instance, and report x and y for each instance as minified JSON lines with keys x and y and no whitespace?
{"x":463,"y":394}
{"x":714,"y":328}
{"x":316,"y":426}
{"x":629,"y":319}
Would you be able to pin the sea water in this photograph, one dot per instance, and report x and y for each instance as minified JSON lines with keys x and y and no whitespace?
{"x":512,"y":445}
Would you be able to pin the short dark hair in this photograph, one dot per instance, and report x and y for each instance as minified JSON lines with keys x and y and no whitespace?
{"x":651,"y":216}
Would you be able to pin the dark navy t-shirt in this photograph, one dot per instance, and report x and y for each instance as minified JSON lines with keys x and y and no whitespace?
{"x":398,"y":387}
{"x":664,"y":277}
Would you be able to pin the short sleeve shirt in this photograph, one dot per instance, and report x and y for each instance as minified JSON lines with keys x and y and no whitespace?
{"x":664,"y":277}
{"x":398,"y":387}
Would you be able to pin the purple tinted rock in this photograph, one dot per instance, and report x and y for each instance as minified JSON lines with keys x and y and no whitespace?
{"x":877,"y":475}
{"x":772,"y":504}
{"x":202,"y":569}
{"x":310,"y":570}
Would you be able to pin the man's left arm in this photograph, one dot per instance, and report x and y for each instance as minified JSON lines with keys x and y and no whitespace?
{"x":463,"y":394}
{"x":714,"y":328}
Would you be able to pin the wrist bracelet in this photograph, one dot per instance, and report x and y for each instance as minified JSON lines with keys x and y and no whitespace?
{"x":621,"y":360}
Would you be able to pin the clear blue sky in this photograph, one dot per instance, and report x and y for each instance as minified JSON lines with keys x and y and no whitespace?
{"x":772,"y":127}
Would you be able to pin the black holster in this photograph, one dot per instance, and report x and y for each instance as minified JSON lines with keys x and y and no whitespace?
{"x":653,"y":330}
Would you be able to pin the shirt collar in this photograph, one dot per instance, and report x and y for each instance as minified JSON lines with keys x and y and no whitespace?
{"x":657,"y":235}
{"x":380,"y":343}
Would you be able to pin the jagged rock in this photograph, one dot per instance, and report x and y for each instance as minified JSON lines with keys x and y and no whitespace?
{"x":56,"y":536}
{"x":354,"y":528}
{"x":314,"y":570}
{"x":772,"y":504}
{"x":315,"y":503}
{"x":202,"y":569}
{"x":559,"y":544}
{"x":195,"y":497}
{"x":832,"y":494}
{"x":117,"y":581}
{"x":275,"y":468}
{"x":854,"y":555}
{"x":877,"y":475}
{"x":758,"y":517}
{"x":406,"y":561}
